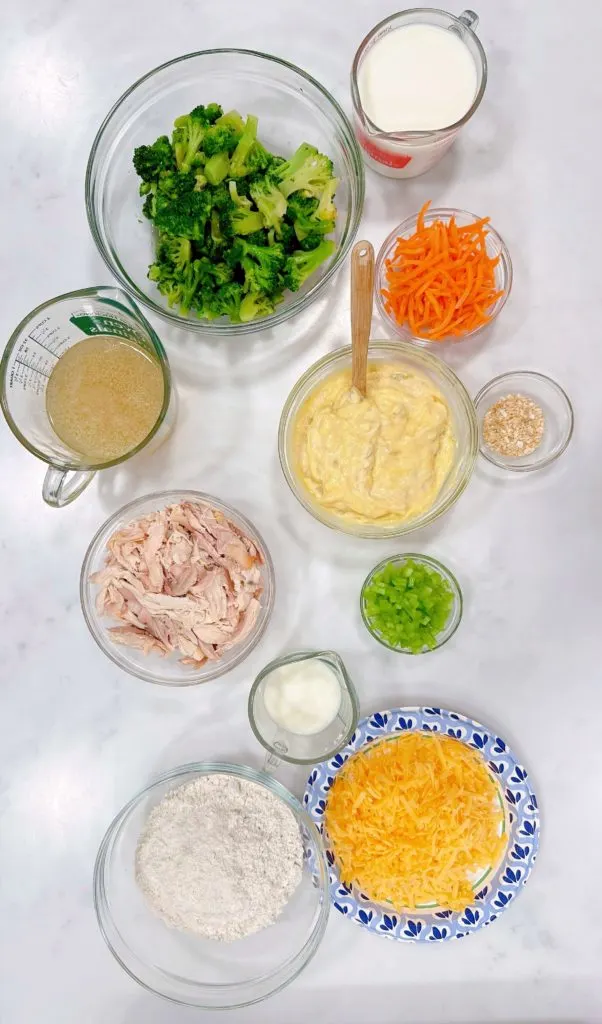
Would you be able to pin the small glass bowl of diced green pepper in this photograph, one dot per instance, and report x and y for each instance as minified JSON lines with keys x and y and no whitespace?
{"x":411,"y":603}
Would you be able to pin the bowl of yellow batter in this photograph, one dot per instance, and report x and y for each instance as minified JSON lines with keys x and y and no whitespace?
{"x":386,"y":464}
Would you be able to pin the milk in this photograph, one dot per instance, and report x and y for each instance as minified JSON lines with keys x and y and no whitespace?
{"x":415,"y":78}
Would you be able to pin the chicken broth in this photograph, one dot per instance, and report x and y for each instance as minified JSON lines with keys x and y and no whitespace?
{"x":104,"y":397}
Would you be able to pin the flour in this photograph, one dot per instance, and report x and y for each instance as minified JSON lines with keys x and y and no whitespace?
{"x":219,"y":856}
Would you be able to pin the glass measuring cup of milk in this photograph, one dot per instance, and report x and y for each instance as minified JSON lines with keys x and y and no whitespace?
{"x":404,"y":153}
{"x":33,"y":351}
{"x":303,"y":748}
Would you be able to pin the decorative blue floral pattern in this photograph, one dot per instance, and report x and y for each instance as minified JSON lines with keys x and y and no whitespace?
{"x":522,"y":818}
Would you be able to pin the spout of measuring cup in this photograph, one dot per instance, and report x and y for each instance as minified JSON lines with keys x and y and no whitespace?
{"x":62,"y":486}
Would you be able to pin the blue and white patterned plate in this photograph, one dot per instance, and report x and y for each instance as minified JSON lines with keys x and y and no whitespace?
{"x":497,"y":889}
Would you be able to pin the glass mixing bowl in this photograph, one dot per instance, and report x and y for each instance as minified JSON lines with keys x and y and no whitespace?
{"x":292,"y":108}
{"x":154,"y":668}
{"x":193,"y":970}
{"x":416,"y":360}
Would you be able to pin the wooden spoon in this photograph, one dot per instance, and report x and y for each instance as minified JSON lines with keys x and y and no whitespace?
{"x":362,"y":291}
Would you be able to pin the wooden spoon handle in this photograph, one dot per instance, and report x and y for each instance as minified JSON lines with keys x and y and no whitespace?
{"x":362,"y":290}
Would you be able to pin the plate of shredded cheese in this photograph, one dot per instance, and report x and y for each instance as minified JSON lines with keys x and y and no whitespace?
{"x":430,"y":824}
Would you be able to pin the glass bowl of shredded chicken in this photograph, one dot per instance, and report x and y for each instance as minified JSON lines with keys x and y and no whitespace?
{"x":177,"y":588}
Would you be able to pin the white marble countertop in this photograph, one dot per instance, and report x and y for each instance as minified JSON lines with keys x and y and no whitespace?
{"x":78,"y":737}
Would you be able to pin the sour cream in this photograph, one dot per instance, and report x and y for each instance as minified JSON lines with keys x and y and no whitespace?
{"x":417,"y":78}
{"x":302,"y":697}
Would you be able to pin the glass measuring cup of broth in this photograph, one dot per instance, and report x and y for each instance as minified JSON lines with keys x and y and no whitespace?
{"x":85,"y":384}
{"x":311,"y":711}
{"x":416,"y":79}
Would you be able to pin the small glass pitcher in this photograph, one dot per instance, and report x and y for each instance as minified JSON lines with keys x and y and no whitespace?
{"x":32,"y":353}
{"x":408,"y":154}
{"x":283,"y":745}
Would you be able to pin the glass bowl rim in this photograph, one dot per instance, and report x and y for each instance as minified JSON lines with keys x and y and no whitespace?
{"x":564,"y":398}
{"x":169,"y":497}
{"x":201,"y":769}
{"x":456,"y":611}
{"x":297,"y":655}
{"x":394,"y":346}
{"x":435,"y":213}
{"x":299,"y":302}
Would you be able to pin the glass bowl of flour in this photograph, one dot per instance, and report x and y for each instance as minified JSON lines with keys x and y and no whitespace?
{"x":211,"y":886}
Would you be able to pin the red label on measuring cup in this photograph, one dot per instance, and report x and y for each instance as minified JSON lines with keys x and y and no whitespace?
{"x":383,"y":156}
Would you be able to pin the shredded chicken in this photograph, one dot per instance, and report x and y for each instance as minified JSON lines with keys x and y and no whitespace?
{"x":185,"y":579}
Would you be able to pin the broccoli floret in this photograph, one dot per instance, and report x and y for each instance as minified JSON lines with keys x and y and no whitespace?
{"x":176,"y":251}
{"x":226,"y":301}
{"x":221,"y":138}
{"x":148,"y":206}
{"x":207,"y":115}
{"x":245,"y":222}
{"x":246,"y":142}
{"x":185,"y":215}
{"x":217,"y":168}
{"x":304,"y":212}
{"x":150,"y":161}
{"x":249,"y":157}
{"x":310,"y":241}
{"x":179,"y":282}
{"x":299,"y":265}
{"x":269,"y":201}
{"x":326,"y":209}
{"x":168,"y":285}
{"x":189,"y":132}
{"x":262,"y":266}
{"x":256,"y":304}
{"x":176,"y":183}
{"x":286,"y":237}
{"x":222,"y":273}
{"x":307,"y":170}
{"x":192,"y":278}
{"x":259,"y":238}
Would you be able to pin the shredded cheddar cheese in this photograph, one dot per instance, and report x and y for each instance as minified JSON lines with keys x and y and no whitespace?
{"x":414,"y":820}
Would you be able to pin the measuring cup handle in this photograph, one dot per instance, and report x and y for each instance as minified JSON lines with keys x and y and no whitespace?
{"x":62,"y":486}
{"x":469,"y":18}
{"x":271,"y":763}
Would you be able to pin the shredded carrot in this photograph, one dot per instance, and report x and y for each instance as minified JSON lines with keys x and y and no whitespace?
{"x":441,"y":280}
{"x":415,"y":820}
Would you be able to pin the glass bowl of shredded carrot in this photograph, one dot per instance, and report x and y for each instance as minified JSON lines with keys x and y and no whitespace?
{"x":442,"y":275}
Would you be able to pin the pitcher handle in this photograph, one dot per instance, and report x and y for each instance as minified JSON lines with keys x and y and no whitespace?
{"x":63,"y":486}
{"x":271,"y":763}
{"x":469,"y":19}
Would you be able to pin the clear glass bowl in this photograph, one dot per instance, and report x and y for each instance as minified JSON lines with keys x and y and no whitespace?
{"x":556,"y":407}
{"x":189,"y":969}
{"x":495,"y":247}
{"x":154,"y":668}
{"x":292,"y":108}
{"x":455,"y":614}
{"x":415,"y":360}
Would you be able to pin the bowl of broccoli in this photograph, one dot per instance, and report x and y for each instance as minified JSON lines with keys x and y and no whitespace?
{"x":220,"y":221}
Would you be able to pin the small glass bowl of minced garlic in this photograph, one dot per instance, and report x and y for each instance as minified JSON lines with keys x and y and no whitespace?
{"x":525,"y":420}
